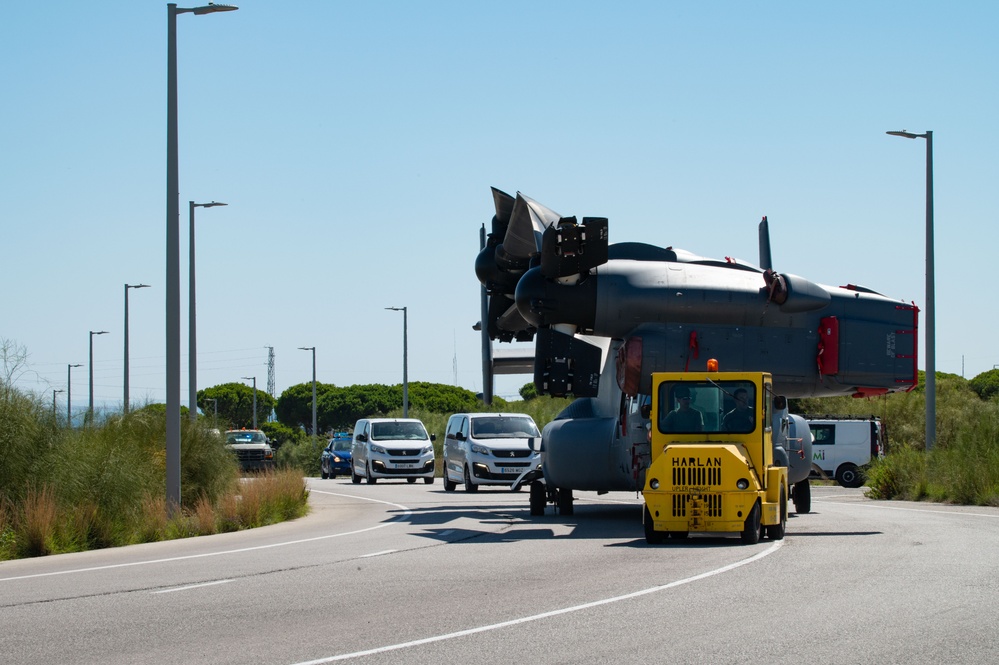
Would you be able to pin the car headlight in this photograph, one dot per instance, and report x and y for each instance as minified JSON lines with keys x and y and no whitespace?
{"x":426,"y":451}
{"x":482,"y":450}
{"x":336,"y":458}
{"x":378,"y":449}
{"x":654,"y":483}
{"x":742,"y":484}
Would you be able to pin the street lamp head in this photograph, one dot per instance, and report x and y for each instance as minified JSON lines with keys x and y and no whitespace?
{"x":77,"y":365}
{"x":307,"y":348}
{"x":210,"y":8}
{"x":208,"y":205}
{"x":136,"y":286}
{"x":907,"y":134}
{"x":396,"y":309}
{"x":100,"y":332}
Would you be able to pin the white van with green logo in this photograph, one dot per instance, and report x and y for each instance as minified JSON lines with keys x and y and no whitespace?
{"x":843,"y":445}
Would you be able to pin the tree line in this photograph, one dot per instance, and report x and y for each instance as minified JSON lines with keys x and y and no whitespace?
{"x":337,"y":408}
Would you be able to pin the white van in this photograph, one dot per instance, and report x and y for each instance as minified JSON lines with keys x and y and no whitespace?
{"x":488,"y":449}
{"x":841,"y":445}
{"x":391,"y":448}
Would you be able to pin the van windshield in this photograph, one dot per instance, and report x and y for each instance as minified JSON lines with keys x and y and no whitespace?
{"x":398,"y":431}
{"x":504,"y":427}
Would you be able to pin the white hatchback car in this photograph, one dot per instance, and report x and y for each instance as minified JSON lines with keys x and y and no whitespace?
{"x":488,"y":449}
{"x":392,"y":448}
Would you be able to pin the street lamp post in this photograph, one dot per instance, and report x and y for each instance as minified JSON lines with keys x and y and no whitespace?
{"x":69,"y":393}
{"x":90,"y":410}
{"x":54,"y":393}
{"x":215,"y":403}
{"x":127,"y":287}
{"x":192,"y":341}
{"x":405,"y":361}
{"x":254,"y":379}
{"x":931,"y":374}
{"x":173,"y":259}
{"x":313,"y":349}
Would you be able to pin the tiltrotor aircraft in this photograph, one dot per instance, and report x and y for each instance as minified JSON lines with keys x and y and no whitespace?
{"x":604,"y":317}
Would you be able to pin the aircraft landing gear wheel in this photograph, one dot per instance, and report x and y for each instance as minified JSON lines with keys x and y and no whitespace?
{"x":564,"y":501}
{"x":652,"y":537}
{"x":371,"y":479}
{"x":777,"y":531}
{"x":539,"y":497}
{"x":849,"y":475}
{"x":751,"y":531}
{"x":469,"y":485}
{"x":449,"y":485}
{"x":801,"y":493}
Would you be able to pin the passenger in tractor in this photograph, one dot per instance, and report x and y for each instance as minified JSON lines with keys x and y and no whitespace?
{"x":739,"y":419}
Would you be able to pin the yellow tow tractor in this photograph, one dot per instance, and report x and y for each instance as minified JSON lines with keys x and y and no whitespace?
{"x":714,"y":467}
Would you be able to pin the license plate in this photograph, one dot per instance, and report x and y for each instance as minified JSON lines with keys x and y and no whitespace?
{"x":406,"y":466}
{"x":511,"y":469}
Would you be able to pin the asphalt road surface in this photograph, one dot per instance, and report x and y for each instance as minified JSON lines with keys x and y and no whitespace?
{"x":399,"y":573}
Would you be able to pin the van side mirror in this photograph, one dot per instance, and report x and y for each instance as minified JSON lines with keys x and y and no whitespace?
{"x":534,"y":443}
{"x":433,"y":437}
{"x":459,"y":436}
{"x":362,"y":438}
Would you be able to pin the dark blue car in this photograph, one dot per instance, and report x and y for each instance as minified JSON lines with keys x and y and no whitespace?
{"x":335,"y":459}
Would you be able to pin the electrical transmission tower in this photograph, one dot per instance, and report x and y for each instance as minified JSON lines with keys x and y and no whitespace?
{"x":271,"y":384}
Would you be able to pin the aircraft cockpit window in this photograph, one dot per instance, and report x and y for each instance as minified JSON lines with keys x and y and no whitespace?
{"x":690,"y":407}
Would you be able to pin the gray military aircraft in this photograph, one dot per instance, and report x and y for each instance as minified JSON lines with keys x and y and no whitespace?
{"x":604,"y":317}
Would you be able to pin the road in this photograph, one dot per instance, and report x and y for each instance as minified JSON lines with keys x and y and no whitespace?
{"x":392,"y":573}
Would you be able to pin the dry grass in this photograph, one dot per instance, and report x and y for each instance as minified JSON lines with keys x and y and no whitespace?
{"x":154,"y":519}
{"x":39,"y":520}
{"x":204,"y":516}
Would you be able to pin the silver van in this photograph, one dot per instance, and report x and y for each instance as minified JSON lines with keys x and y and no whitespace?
{"x":488,"y":449}
{"x":391,"y":448}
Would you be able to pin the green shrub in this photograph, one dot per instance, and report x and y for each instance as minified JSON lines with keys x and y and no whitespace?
{"x":66,"y":490}
{"x":302,"y":454}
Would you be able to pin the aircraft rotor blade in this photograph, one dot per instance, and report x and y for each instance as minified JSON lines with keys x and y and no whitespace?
{"x":766,"y":260}
{"x":503,"y":203}
{"x":528,"y":222}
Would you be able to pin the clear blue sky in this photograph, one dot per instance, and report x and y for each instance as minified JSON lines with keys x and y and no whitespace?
{"x":355,"y":144}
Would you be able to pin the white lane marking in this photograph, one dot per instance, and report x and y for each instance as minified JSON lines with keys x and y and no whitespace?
{"x":636,"y":502}
{"x":544,"y":615}
{"x":241,"y":550}
{"x":368,"y":556}
{"x":192,"y":586}
{"x":909,"y":510}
